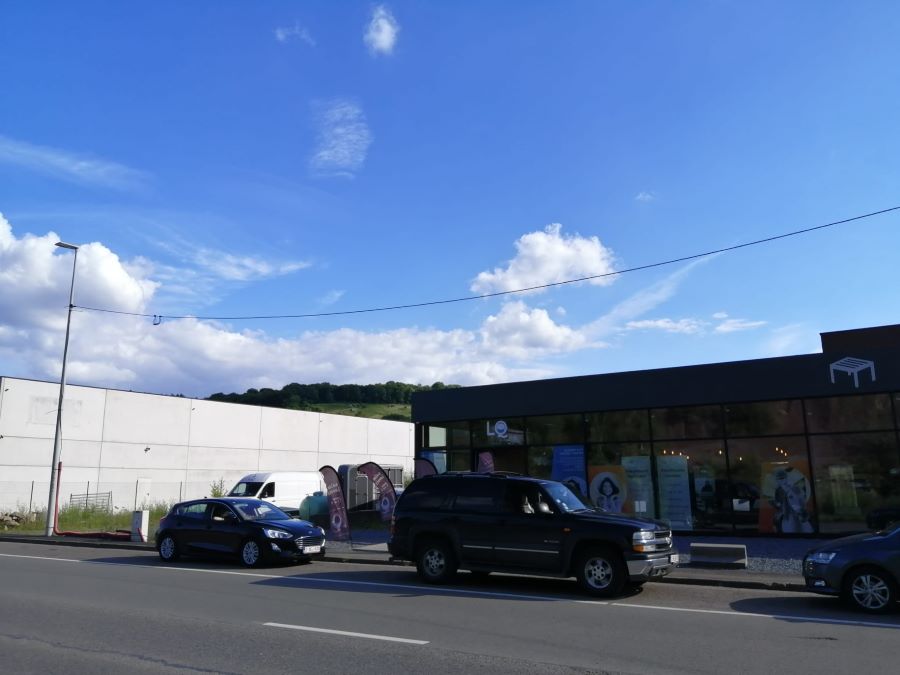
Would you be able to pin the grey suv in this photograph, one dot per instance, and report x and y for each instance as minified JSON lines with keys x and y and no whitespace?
{"x":498,"y":522}
{"x":863,"y":569}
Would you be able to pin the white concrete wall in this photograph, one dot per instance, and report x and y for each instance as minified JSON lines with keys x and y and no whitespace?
{"x":146,"y":448}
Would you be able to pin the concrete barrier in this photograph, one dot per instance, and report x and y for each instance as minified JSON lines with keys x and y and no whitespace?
{"x":719,"y":555}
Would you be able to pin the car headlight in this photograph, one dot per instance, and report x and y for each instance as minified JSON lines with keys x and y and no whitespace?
{"x":276,"y":534}
{"x":822,"y":557}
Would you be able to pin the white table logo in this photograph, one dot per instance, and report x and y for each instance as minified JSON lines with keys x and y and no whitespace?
{"x":852,"y":366}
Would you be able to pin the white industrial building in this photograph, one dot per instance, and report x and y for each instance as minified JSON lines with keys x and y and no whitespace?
{"x":147,"y":448}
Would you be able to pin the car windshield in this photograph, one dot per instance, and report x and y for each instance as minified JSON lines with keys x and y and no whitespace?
{"x":564,"y":498}
{"x":252,"y":509}
{"x":243,"y":489}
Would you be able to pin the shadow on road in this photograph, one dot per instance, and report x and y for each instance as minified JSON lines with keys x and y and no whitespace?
{"x":405,"y":583}
{"x":812,"y":609}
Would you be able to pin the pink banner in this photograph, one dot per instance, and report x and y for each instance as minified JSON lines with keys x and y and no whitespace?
{"x":485,"y":462}
{"x":387,"y":495}
{"x":339,"y":524}
{"x":425,"y":467}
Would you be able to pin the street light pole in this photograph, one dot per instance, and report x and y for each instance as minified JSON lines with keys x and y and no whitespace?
{"x":57,"y":440}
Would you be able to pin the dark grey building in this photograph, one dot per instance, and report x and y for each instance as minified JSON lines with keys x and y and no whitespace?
{"x":795,"y":445}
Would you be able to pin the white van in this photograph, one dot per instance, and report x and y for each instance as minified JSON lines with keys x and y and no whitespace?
{"x":285,"y":489}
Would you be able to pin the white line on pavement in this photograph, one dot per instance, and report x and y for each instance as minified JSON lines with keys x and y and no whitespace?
{"x":345,"y":633}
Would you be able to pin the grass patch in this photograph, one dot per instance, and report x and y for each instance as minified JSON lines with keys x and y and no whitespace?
{"x":91,"y":519}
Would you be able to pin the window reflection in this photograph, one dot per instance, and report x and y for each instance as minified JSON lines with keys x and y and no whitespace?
{"x":767,"y":418}
{"x":770,"y":485}
{"x":693,"y":485}
{"x":687,"y":422}
{"x":849,"y":413}
{"x":550,"y":429}
{"x":618,"y":425}
{"x":855,"y":474}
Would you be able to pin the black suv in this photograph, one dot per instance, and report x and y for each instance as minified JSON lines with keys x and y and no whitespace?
{"x":499,"y":522}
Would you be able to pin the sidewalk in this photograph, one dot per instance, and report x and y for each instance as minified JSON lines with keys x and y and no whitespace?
{"x":773,"y":564}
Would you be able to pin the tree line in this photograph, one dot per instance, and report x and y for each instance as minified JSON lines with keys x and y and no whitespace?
{"x":301,"y":396}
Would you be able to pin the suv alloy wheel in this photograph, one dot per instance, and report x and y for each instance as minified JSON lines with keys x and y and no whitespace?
{"x":435,"y":562}
{"x":600,"y":571}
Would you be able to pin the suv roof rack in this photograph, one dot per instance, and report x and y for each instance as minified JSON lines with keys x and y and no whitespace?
{"x":496,"y":474}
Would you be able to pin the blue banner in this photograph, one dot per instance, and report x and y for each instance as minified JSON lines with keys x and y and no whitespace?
{"x":568,"y":468}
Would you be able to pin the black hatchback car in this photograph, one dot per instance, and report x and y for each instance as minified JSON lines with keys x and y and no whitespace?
{"x":864,"y":569}
{"x":254,"y":530}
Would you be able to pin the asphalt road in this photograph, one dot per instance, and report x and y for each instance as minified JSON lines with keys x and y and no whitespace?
{"x":86,"y":610}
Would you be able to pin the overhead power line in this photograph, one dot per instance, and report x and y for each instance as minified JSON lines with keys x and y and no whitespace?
{"x":158,"y":318}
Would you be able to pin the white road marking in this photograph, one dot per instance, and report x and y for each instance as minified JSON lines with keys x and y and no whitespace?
{"x":467,"y":592}
{"x":345,"y":633}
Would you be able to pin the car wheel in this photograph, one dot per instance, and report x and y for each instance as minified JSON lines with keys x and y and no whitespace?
{"x":435,"y":562}
{"x":600,"y":572}
{"x":168,"y":549}
{"x":251,"y":554}
{"x":870,"y":589}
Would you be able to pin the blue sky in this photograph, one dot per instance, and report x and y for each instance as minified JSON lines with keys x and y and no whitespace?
{"x":231,"y":159}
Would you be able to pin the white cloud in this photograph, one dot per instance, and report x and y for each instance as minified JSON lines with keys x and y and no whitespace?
{"x":69,"y":166}
{"x":645,"y":197}
{"x":343,"y":138}
{"x":331,"y":297}
{"x":735,"y":325}
{"x":720,"y":315}
{"x":286,"y":33}
{"x":546,"y":257}
{"x":381,"y":31}
{"x":518,"y":332}
{"x":640,"y":303}
{"x":242,"y":268}
{"x":685,"y":326}
{"x":795,"y":338}
{"x":201,"y":357}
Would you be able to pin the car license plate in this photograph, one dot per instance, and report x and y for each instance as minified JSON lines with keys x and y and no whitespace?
{"x":674,"y":559}
{"x":312,"y":549}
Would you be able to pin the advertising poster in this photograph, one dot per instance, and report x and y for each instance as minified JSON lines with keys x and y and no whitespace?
{"x":485,"y":462}
{"x":786,"y":497}
{"x":568,"y":468}
{"x":425,"y":467}
{"x":608,"y":488}
{"x":674,"y":492}
{"x":387,"y":496}
{"x":339,"y":524}
{"x":640,"y":486}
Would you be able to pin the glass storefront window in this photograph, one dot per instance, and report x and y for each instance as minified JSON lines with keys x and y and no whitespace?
{"x":620,"y":479}
{"x":855,"y":474}
{"x":766,"y":418}
{"x":459,"y":460}
{"x":540,"y":461}
{"x":687,"y":422}
{"x":849,"y":413}
{"x":510,"y":459}
{"x":693,"y":485}
{"x":553,"y":429}
{"x":498,"y":432}
{"x":618,"y":425}
{"x":770,"y":487}
{"x":447,"y":435}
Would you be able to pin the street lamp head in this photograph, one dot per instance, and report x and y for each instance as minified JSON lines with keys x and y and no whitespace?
{"x":63,"y":244}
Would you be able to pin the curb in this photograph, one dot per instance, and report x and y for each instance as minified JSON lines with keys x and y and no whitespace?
{"x":360,"y":559}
